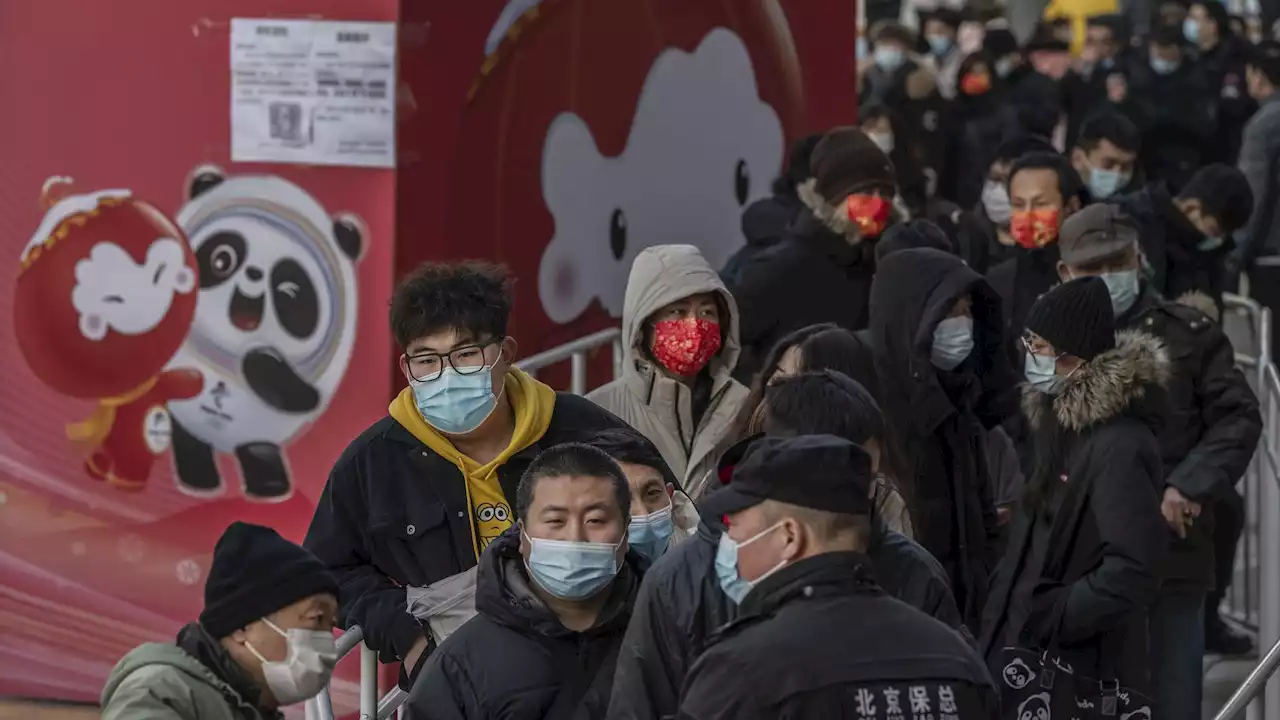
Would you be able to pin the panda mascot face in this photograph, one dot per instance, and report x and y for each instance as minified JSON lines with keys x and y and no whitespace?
{"x":275,"y":319}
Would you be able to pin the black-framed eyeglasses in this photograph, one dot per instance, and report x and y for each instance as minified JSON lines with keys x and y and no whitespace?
{"x":465,"y":360}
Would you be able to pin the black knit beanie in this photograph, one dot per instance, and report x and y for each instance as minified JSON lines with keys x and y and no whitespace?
{"x":845,"y":161}
{"x":254,"y":573}
{"x":1076,"y":318}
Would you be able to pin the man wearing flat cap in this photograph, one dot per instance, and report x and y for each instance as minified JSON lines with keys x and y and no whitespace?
{"x":1210,"y":430}
{"x":816,"y":637}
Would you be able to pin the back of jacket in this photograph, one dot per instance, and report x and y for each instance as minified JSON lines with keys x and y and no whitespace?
{"x":1260,"y":163}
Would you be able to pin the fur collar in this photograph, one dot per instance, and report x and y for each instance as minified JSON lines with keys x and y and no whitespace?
{"x":834,"y":217}
{"x":1104,"y":387}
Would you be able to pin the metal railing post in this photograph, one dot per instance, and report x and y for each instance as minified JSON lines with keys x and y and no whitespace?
{"x":1251,"y":685}
{"x":368,"y":683}
{"x":578,"y":373}
{"x":619,"y":357}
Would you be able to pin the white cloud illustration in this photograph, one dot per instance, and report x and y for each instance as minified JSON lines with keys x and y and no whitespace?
{"x":114,"y":292}
{"x":702,"y":146}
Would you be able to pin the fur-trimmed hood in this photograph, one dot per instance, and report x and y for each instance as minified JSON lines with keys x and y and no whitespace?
{"x":1197,"y":300}
{"x":1106,"y":386}
{"x":834,"y":216}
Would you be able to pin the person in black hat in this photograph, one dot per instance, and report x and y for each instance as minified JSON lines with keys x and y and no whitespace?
{"x":816,"y":636}
{"x":1084,"y":552}
{"x":821,"y":272}
{"x":264,"y":640}
{"x":1206,"y":441}
{"x":681,"y":603}
{"x":1174,"y":107}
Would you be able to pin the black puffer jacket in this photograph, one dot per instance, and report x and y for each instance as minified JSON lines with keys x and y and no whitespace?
{"x":1176,"y":114}
{"x":941,"y":415}
{"x":514,"y":660}
{"x":812,"y":276}
{"x":788,"y":656}
{"x":1211,"y":428}
{"x":1086,"y":547}
{"x":1224,"y":70}
{"x":1020,"y":280}
{"x":681,"y":605}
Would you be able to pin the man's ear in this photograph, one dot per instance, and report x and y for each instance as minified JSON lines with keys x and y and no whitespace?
{"x":1064,"y":273}
{"x":509,"y":349}
{"x":1072,"y":206}
{"x":671,"y":490}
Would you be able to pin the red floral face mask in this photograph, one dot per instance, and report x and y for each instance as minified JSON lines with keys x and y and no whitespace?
{"x":870,"y":213}
{"x":1034,"y":229}
{"x":685,"y":346}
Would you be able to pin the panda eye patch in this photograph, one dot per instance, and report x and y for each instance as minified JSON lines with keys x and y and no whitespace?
{"x":220,"y":256}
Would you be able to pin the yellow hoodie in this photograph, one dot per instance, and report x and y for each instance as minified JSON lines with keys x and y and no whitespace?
{"x":532,"y":404}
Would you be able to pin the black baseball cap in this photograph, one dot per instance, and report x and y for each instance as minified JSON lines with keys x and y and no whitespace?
{"x":820,"y":472}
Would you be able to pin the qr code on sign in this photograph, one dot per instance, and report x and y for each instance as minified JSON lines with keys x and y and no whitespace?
{"x":286,"y":122}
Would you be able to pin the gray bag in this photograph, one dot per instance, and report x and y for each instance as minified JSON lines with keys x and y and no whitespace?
{"x":445,"y":605}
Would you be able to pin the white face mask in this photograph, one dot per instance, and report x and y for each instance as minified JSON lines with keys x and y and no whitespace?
{"x":306,"y":670}
{"x":995,"y":200}
{"x":883,"y":140}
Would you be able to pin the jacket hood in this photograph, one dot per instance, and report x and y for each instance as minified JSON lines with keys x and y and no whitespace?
{"x":1197,"y":300}
{"x":504,"y":594}
{"x":661,"y":275}
{"x":913,"y":291}
{"x":1108,"y":386}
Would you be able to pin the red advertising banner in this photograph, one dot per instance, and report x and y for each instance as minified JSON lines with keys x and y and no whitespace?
{"x":187,"y":341}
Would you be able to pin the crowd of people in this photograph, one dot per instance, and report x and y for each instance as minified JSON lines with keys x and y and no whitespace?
{"x":955,"y":434}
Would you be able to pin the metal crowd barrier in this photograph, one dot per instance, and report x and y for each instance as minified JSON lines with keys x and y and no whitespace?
{"x":1254,"y":598}
{"x":576,"y":352}
{"x":373,"y":708}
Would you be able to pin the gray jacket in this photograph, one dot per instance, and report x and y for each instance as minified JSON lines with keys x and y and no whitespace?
{"x":1260,"y":163}
{"x":161,"y":681}
{"x":658,"y":406}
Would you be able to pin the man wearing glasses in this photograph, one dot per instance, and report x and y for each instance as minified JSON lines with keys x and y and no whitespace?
{"x":415,"y":499}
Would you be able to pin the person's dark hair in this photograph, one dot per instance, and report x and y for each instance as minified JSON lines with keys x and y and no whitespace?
{"x":1224,"y":194}
{"x":798,"y":169}
{"x":471,"y":297}
{"x":827,"y":346}
{"x":1069,"y":183}
{"x":999,"y":42}
{"x":629,"y":446}
{"x":1013,"y":148}
{"x":1239,"y":26}
{"x":892,"y":32}
{"x":946,"y":16}
{"x":1265,"y":58}
{"x":1218,"y":13}
{"x":975,"y":58}
{"x":572,"y":459}
{"x":1111,"y":126}
{"x":913,"y":234}
{"x":822,"y":402}
{"x":1167,"y":36}
{"x":873,"y":111}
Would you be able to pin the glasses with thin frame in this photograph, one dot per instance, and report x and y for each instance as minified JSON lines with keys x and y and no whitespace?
{"x":465,"y":360}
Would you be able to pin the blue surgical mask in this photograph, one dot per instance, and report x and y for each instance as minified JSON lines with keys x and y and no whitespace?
{"x":727,"y":565}
{"x":1004,"y":66}
{"x":889,"y":58}
{"x":1191,"y":30}
{"x":861,"y":48}
{"x":455,"y":403}
{"x":1123,"y":287}
{"x":650,"y":534}
{"x":1104,"y":183}
{"x":1162,"y":66}
{"x":995,"y":200}
{"x":952,"y":342}
{"x":571,"y":570}
{"x":939,"y":44}
{"x":1042,"y":374}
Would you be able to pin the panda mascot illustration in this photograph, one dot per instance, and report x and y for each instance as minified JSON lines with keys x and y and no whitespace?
{"x":274,"y":326}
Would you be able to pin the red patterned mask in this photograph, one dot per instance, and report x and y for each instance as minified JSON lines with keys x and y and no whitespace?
{"x":685,"y":346}
{"x":1034,"y":229}
{"x":869,"y":212}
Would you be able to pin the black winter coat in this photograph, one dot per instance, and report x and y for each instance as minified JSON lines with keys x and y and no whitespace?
{"x":812,"y":276}
{"x":788,"y":657}
{"x":1224,"y":70}
{"x":394,"y":513}
{"x":1211,"y":426}
{"x":764,"y":224}
{"x":940,"y":415}
{"x":1086,"y":547}
{"x":1176,"y":114}
{"x":1020,"y":280}
{"x":514,"y":660}
{"x":1169,"y":242}
{"x":681,"y":605}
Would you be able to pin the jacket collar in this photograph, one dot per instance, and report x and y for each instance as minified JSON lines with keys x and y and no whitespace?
{"x":837,"y":573}
{"x":239,"y":687}
{"x":1104,"y":387}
